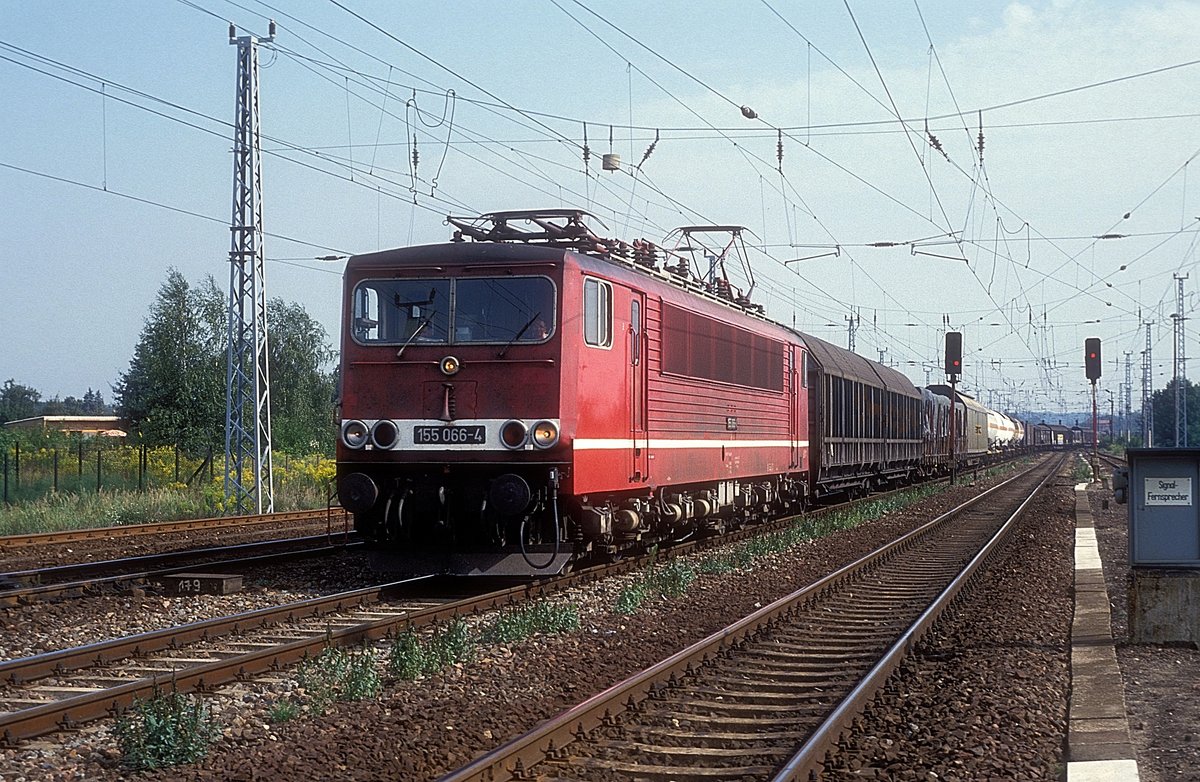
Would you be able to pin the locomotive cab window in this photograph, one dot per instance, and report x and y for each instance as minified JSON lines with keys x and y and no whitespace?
{"x":397,"y":311}
{"x":597,"y":313}
{"x":454,"y":311}
{"x":503,"y":309}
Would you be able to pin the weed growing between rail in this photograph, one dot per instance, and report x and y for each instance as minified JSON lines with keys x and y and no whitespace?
{"x":669,"y":581}
{"x":525,"y":621}
{"x":284,"y":711}
{"x":165,"y":730}
{"x":1081,"y":471}
{"x":413,"y":656}
{"x":338,"y":675}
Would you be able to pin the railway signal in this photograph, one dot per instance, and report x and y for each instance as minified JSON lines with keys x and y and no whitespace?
{"x":953,"y":370}
{"x":1091,"y":356}
{"x":1091,"y":367}
{"x":953,"y":353}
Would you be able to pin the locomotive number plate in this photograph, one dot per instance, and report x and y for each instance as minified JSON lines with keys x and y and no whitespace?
{"x":449,"y":435}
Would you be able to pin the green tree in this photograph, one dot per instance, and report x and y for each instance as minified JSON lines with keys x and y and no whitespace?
{"x":68,"y":406}
{"x":172,"y":392}
{"x":302,"y":385}
{"x":18,"y":401}
{"x":93,"y":403}
{"x":1163,"y":405}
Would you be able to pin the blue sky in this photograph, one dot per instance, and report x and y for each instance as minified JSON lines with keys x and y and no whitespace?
{"x":85,"y":86}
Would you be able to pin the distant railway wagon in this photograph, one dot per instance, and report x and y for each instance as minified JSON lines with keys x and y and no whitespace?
{"x":971,"y":427}
{"x":1038,"y":436}
{"x":1060,"y":436}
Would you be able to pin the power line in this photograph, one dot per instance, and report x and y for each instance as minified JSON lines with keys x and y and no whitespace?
{"x":160,"y":205}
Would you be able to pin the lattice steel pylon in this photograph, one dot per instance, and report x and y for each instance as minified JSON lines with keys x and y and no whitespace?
{"x":1147,"y":393}
{"x":1181,"y":437}
{"x":249,"y":482}
{"x":1127,"y":396}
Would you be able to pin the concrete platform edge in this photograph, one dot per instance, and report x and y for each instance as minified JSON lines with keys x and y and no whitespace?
{"x":1098,"y":744}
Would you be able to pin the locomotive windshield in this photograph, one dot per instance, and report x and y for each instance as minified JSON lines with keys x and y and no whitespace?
{"x":454,"y":311}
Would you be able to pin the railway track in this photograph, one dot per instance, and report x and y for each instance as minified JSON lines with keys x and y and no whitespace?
{"x":58,"y":690}
{"x":794,"y":674}
{"x":92,"y":681}
{"x":27,"y":586}
{"x":9,"y":543}
{"x":61,"y":689}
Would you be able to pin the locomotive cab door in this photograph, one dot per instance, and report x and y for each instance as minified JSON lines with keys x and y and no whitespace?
{"x":637,"y":373}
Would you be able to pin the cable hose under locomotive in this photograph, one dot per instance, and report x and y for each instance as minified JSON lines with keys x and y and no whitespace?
{"x":557,"y":531}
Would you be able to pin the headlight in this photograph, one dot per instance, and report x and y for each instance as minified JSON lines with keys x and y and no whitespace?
{"x":450,"y":366}
{"x":354,"y":434}
{"x":383,"y":434}
{"x":513,"y":434}
{"x":545,"y":434}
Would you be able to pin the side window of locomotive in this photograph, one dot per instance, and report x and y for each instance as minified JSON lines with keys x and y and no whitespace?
{"x":365,"y":323}
{"x":635,"y":332}
{"x":503,"y":309}
{"x":400,"y":311}
{"x":597,"y":313}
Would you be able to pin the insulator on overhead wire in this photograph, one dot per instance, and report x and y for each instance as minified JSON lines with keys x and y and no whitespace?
{"x":980,"y":137}
{"x":650,"y":149}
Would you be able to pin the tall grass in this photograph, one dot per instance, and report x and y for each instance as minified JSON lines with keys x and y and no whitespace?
{"x":300,"y":483}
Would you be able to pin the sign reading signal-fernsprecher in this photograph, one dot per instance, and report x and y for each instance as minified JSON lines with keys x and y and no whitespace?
{"x":1168,"y":491}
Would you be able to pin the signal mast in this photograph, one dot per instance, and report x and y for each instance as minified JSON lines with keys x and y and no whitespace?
{"x":953,"y":370}
{"x":1091,"y":365}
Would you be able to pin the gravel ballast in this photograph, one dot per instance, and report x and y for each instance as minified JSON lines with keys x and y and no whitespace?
{"x":986,"y":697}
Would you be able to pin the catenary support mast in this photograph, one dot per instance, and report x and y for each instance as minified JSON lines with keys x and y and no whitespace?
{"x":1181,"y":436}
{"x":1127,"y":399}
{"x":1147,"y":392}
{"x":249,"y":485}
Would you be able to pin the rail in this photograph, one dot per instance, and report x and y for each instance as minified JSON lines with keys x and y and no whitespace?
{"x":26,"y":723}
{"x":91,"y":576}
{"x":12,"y":542}
{"x":626,"y":701}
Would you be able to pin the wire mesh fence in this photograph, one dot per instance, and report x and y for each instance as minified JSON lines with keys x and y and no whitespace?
{"x":94,"y":465}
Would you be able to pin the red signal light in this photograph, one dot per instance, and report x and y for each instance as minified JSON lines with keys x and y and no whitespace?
{"x":1091,"y":354}
{"x":953,"y":353}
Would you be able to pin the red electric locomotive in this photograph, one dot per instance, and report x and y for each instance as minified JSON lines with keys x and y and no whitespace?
{"x":529,"y":397}
{"x":519,"y":399}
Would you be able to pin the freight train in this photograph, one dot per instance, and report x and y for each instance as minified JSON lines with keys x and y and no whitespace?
{"x":530,"y":395}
